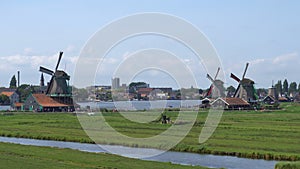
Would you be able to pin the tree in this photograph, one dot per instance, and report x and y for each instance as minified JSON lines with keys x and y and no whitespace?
{"x":293,"y":88}
{"x":4,"y":100}
{"x":262,"y":92}
{"x":200,"y":91}
{"x":230,"y":89}
{"x":133,"y":86}
{"x":299,"y":87}
{"x":285,"y":88}
{"x":81,"y":94}
{"x":24,"y":91}
{"x":13,"y":82}
{"x":278,"y":87}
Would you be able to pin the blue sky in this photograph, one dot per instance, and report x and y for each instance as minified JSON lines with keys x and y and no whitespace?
{"x":264,"y":33}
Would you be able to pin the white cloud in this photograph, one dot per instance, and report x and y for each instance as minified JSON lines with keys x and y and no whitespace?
{"x":261,"y":70}
{"x":286,"y":58}
{"x":264,"y":70}
{"x":257,"y":61}
{"x":29,"y":66}
{"x":28,"y":51}
{"x":70,"y":49}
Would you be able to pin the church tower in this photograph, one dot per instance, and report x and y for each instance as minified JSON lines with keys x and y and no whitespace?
{"x":42,"y":80}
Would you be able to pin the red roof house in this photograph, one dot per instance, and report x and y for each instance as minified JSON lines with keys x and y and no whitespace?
{"x":231,"y":103}
{"x":42,"y":102}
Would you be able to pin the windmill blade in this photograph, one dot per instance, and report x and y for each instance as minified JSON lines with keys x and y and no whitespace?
{"x":209,"y":91}
{"x":237,"y":91}
{"x":217,"y":73}
{"x":247,"y":64}
{"x":59,"y":58}
{"x":210,"y":78}
{"x":50,"y":86}
{"x":235,"y":77}
{"x":47,"y":71}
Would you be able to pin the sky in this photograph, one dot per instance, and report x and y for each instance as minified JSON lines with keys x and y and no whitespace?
{"x":264,"y":33}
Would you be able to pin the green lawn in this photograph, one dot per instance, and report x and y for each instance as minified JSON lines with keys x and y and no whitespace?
{"x":251,"y":134}
{"x":20,"y":156}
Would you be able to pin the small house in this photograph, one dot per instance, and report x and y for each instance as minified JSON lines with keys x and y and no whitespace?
{"x":12,"y":95}
{"x":230,"y":103}
{"x":284,"y":99}
{"x":269,"y":100}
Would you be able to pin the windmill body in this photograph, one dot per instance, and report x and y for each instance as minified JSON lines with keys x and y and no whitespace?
{"x":216,"y":88}
{"x":59,"y":84}
{"x":245,"y":89}
{"x":58,"y":88}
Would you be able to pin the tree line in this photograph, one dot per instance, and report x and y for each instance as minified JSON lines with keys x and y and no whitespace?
{"x":285,"y":88}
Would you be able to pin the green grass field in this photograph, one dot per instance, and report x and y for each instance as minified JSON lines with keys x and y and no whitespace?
{"x":251,"y":134}
{"x":20,"y":156}
{"x":287,"y":165}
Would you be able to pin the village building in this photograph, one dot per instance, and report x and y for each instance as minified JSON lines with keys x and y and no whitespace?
{"x":158,"y":94}
{"x":41,"y":102}
{"x":283,"y":99}
{"x":205,"y":103}
{"x":144,"y":92}
{"x":17,"y":106}
{"x":269,"y":100}
{"x":231,"y":103}
{"x":297,"y":98}
{"x":12,"y":95}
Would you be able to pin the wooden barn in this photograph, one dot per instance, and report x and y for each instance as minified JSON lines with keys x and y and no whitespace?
{"x":43,"y":103}
{"x":231,"y":103}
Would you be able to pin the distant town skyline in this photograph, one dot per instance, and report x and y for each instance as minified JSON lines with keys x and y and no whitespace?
{"x":264,"y":33}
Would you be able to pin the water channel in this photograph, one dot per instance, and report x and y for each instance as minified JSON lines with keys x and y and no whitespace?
{"x":142,"y":105}
{"x":183,"y":158}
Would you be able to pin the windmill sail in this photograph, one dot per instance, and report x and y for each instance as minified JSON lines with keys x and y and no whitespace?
{"x":235,"y":77}
{"x":59,"y":58}
{"x":47,"y":71}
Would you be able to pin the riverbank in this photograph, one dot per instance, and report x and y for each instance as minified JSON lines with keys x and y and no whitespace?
{"x":272,"y":135}
{"x":21,"y":156}
{"x":288,"y":165}
{"x":194,"y":159}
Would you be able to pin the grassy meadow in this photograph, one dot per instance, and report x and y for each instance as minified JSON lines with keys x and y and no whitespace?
{"x":19,"y":156}
{"x":287,"y":165}
{"x":251,"y":134}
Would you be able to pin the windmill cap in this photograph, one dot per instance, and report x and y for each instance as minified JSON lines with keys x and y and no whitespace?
{"x":246,"y":80}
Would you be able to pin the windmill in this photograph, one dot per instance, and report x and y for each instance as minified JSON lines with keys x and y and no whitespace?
{"x":59,"y":83}
{"x":216,"y":89}
{"x":245,"y":89}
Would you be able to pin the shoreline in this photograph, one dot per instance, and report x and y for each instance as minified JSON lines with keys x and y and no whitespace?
{"x":253,"y":155}
{"x":182,"y":158}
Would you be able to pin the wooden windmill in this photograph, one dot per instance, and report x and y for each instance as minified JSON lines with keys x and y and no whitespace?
{"x":245,"y":89}
{"x":59,"y":83}
{"x":216,"y":89}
